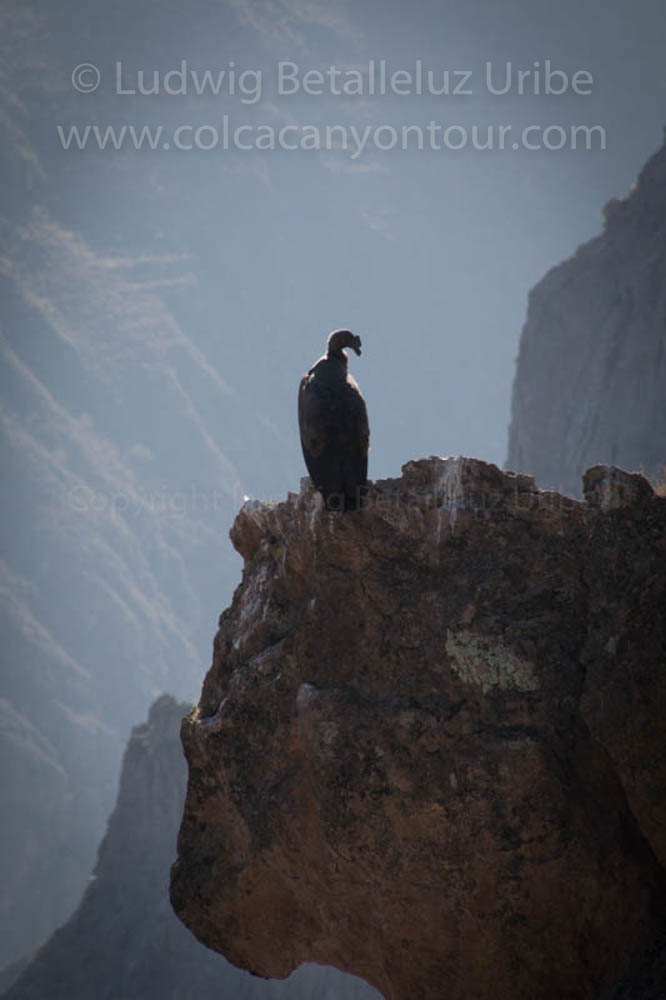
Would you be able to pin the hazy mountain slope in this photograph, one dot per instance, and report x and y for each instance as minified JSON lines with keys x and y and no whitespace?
{"x":112,"y":558}
{"x":39,"y":859}
{"x":123,"y":450}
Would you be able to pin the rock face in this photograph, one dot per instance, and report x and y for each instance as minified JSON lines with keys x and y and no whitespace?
{"x":431,"y":747}
{"x":124,"y":942}
{"x":590,"y":384}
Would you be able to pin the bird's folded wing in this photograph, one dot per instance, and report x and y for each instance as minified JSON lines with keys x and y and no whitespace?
{"x":316,"y":414}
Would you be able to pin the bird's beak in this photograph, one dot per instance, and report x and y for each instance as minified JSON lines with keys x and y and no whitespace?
{"x":357,"y":346}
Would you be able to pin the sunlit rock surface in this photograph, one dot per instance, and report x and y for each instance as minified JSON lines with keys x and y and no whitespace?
{"x":590,"y":383}
{"x":431,"y":747}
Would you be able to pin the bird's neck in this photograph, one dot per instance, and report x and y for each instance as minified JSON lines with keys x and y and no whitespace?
{"x":338,"y":355}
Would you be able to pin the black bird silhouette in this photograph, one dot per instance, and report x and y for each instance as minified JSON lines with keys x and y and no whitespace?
{"x":333,"y":422}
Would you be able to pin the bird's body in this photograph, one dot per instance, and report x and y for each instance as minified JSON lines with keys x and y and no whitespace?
{"x":333,"y":423}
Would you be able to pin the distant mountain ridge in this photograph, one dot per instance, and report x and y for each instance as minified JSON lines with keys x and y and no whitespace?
{"x":590,"y":384}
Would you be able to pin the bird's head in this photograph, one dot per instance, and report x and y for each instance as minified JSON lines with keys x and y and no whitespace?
{"x":343,"y":338}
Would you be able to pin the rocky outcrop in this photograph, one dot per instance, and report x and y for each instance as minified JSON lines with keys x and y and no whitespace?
{"x":430,"y":748}
{"x":591,"y":375}
{"x":124,"y":942}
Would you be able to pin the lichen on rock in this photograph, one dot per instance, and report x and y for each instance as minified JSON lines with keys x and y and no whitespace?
{"x":428,"y":748}
{"x":489,"y":664}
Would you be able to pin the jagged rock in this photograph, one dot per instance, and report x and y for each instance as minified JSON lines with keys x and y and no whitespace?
{"x":612,"y":488}
{"x":591,"y":375}
{"x":430,"y":748}
{"x":124,"y":942}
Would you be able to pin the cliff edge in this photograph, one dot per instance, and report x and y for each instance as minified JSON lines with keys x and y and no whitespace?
{"x":430,"y":749}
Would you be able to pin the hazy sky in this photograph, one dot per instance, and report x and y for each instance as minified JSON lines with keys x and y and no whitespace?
{"x":428,"y":254}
